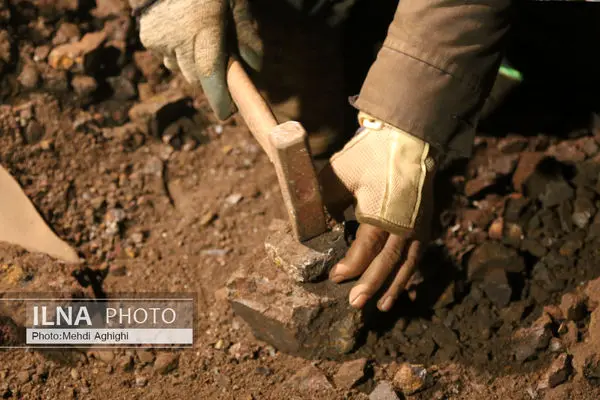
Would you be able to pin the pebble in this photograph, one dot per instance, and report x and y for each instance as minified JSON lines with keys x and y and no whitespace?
{"x":350,"y":373}
{"x":166,"y":362}
{"x":410,"y":378}
{"x":309,"y":379}
{"x":558,"y":373}
{"x":233,"y":199}
{"x":384,"y":391}
{"x":141,"y":381}
{"x":573,"y":306}
{"x":23,"y":377}
{"x":74,"y":374}
{"x":29,"y":77}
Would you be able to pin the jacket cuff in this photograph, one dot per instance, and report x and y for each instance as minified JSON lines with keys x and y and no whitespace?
{"x":427,"y":99}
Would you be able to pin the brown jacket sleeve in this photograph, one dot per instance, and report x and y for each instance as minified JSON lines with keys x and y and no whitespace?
{"x":436,"y":68}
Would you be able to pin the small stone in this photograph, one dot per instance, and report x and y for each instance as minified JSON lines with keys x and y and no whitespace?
{"x":496,"y":287}
{"x":573,"y":306}
{"x":24,"y":377}
{"x":78,"y":55}
{"x":555,"y":346}
{"x":145,"y":356}
{"x":149,"y":65}
{"x":490,"y":255}
{"x":411,"y":378}
{"x":309,"y":379}
{"x":125,"y":363}
{"x":583,"y":211}
{"x":34,"y":132}
{"x":123,"y":88}
{"x":233,"y":199}
{"x":533,"y":247}
{"x":117,"y":270}
{"x":569,"y":333}
{"x":350,"y":373}
{"x":527,"y":164}
{"x":558,"y":372}
{"x":476,"y":186}
{"x":137,"y":238}
{"x":84,"y":85}
{"x":66,"y":33}
{"x":383,"y":391}
{"x":555,"y":193}
{"x":166,"y":362}
{"x":161,"y":110}
{"x":106,"y":356}
{"x":566,"y":152}
{"x":532,"y":339}
{"x":74,"y":374}
{"x":141,"y":381}
{"x":29,"y":77}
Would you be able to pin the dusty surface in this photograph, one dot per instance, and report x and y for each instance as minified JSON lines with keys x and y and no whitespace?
{"x":162,"y":198}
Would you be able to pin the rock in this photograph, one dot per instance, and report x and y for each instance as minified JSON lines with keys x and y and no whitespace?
{"x":5,"y":49}
{"x":583,"y":211}
{"x":166,"y":362}
{"x":350,"y":373}
{"x":586,"y":362}
{"x":106,"y":356}
{"x":527,"y":164}
{"x":556,"y":346}
{"x":532,"y":339}
{"x":512,"y":144}
{"x":573,"y":306}
{"x":533,"y":247}
{"x":123,"y":88}
{"x":558,"y":372}
{"x":29,"y":77}
{"x":66,"y":33}
{"x":79,"y":56}
{"x":383,"y":391}
{"x":24,"y":377}
{"x":556,"y":192}
{"x":54,"y":80}
{"x":475,"y":217}
{"x":84,"y":85}
{"x":411,"y":378}
{"x":515,"y":207}
{"x":149,"y":65}
{"x":113,"y":219}
{"x":34,"y":132}
{"x":309,"y":379}
{"x":307,"y":261}
{"x":311,"y":320}
{"x":74,"y":374}
{"x":490,"y":255}
{"x":233,"y":199}
{"x":566,"y":151}
{"x":570,"y":334}
{"x":125,"y":363}
{"x":588,"y":145}
{"x":141,"y":381}
{"x":592,"y":291}
{"x":161,"y":110}
{"x":145,"y":356}
{"x":496,"y":287}
{"x":476,"y":186}
{"x":503,"y":164}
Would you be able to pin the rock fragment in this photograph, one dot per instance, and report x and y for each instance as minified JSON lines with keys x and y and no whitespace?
{"x":80,"y":55}
{"x":573,"y":306}
{"x":307,"y":261}
{"x":490,"y":255}
{"x":166,"y":362}
{"x":496,"y":287}
{"x":29,"y":77}
{"x":350,"y":373}
{"x":160,"y":110}
{"x":311,"y":320}
{"x":411,"y":378}
{"x":528,"y":341}
{"x":583,"y":211}
{"x":527,"y":164}
{"x":558,"y":372}
{"x":309,"y":379}
{"x":84,"y":86}
{"x":383,"y":391}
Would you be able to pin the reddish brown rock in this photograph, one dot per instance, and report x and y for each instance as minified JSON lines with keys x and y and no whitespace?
{"x":84,"y":85}
{"x":411,"y":378}
{"x":308,"y":380}
{"x":525,"y":168}
{"x":558,"y":373}
{"x":311,"y":320}
{"x":149,"y":65}
{"x":492,"y":255}
{"x":350,"y":373}
{"x":166,"y":362}
{"x":528,"y":341}
{"x":573,"y":306}
{"x":77,"y":55}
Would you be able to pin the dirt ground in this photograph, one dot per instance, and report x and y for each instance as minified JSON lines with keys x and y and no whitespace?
{"x":128,"y":165}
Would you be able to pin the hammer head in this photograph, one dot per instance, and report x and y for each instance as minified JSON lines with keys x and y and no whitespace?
{"x":298,"y":180}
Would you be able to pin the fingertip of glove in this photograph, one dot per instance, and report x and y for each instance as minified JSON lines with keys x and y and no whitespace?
{"x":218,"y":96}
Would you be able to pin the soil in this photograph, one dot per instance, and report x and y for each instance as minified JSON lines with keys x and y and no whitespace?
{"x":176,"y":201}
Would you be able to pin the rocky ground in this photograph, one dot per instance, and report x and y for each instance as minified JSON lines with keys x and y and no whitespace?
{"x":127,"y":164}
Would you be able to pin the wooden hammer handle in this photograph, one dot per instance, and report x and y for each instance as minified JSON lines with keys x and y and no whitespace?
{"x":251,"y":105}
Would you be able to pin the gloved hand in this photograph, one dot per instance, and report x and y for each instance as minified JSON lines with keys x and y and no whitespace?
{"x":389,"y":174}
{"x":191,"y":36}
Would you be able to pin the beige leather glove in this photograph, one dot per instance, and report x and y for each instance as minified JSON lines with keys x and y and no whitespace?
{"x":191,"y":36}
{"x":388,"y":173}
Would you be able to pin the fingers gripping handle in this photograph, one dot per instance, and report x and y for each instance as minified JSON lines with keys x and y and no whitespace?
{"x":251,"y":105}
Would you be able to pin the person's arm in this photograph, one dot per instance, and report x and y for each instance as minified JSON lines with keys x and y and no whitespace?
{"x":420,"y":100}
{"x":436,"y":68}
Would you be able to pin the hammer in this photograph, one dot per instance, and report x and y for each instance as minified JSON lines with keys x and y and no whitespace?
{"x":287,"y":147}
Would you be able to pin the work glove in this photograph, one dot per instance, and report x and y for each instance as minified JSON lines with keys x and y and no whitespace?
{"x":191,"y":37}
{"x":388,"y":174}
